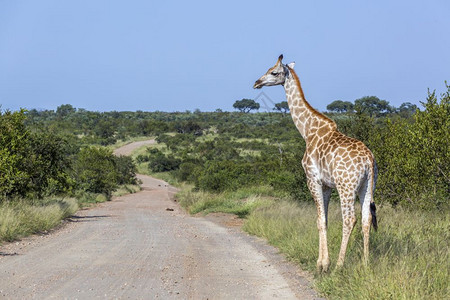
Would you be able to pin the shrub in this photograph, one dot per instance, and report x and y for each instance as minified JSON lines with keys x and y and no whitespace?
{"x":291,"y":184}
{"x":31,"y":164}
{"x":218,"y":176}
{"x":126,"y":170}
{"x":159,"y":162}
{"x":95,"y":170}
{"x":14,"y":149}
{"x":413,"y":157}
{"x":187,"y":171}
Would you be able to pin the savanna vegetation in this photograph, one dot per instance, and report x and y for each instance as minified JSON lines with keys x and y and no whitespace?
{"x":249,"y":164}
{"x":47,"y":174}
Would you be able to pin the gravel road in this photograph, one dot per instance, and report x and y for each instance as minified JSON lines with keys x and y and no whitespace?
{"x":144,"y":246}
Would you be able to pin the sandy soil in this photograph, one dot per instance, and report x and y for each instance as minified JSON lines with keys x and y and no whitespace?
{"x":144,"y":246}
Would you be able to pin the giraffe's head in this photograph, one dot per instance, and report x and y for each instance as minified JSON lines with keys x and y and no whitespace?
{"x":274,"y":76}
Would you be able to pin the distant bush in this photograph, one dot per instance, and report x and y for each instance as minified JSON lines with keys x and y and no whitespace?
{"x":292,"y":184}
{"x":189,"y":126}
{"x":126,"y":170}
{"x":159,"y":162}
{"x":218,"y":176}
{"x":95,"y":170}
{"x":187,"y":171}
{"x":411,"y":148}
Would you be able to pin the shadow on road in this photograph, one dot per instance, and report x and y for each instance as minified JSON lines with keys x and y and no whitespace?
{"x":8,"y":254}
{"x":86,"y":218}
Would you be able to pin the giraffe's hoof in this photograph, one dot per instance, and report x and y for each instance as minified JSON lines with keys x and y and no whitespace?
{"x":323,"y":266}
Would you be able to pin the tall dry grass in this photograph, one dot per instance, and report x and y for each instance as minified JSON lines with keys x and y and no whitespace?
{"x":409,"y":253}
{"x":22,"y":218}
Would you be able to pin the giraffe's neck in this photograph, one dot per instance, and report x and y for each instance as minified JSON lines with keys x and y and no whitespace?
{"x":307,"y":120}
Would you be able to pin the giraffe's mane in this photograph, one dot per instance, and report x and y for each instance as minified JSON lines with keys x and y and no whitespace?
{"x":302,"y":95}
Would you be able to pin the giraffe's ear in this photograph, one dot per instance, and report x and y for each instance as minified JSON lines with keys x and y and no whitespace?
{"x":291,"y":65}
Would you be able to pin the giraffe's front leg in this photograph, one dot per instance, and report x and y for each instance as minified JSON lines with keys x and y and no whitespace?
{"x":323,"y":262}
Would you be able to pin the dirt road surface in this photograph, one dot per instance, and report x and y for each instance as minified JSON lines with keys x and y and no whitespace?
{"x":144,"y":246}
{"x":128,"y":149}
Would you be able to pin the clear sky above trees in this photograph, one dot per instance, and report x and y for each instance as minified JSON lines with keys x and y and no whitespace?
{"x":182,"y":55}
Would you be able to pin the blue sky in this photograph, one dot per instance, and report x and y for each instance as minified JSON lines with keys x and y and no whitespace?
{"x":109,"y":55}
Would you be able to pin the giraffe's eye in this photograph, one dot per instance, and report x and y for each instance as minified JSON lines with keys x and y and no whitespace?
{"x":275,"y":73}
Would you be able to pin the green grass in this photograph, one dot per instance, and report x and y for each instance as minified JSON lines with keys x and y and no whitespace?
{"x":22,"y":218}
{"x":409,"y":255}
{"x":166,"y":176}
{"x":126,"y":189}
{"x":240,"y":202}
{"x":209,"y":136}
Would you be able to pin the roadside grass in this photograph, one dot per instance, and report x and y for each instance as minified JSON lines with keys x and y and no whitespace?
{"x":126,"y":189}
{"x":21,"y":218}
{"x":240,"y":202}
{"x":409,"y":254}
{"x":166,"y":176}
{"x":129,"y":140}
{"x":143,"y":149}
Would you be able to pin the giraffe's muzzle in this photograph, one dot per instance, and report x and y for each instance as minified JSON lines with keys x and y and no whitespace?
{"x":258,"y":84}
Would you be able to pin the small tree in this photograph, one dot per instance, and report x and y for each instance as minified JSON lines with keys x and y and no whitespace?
{"x":340,"y":106}
{"x":65,"y":110}
{"x":126,"y":170}
{"x":282,"y":107}
{"x":246,"y":105}
{"x":189,"y":127}
{"x":14,"y":154}
{"x":407,"y":109}
{"x":372,"y":105}
{"x":159,"y":162}
{"x":95,"y":170}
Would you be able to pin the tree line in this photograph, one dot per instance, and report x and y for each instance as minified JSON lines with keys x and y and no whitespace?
{"x":49,"y":152}
{"x":371,"y":105}
{"x":35,"y":163}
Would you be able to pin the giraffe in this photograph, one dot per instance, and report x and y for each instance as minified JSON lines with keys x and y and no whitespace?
{"x":331,"y":160}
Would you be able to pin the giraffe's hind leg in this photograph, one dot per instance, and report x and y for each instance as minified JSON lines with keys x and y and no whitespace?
{"x":347,"y":195}
{"x":365,"y":197}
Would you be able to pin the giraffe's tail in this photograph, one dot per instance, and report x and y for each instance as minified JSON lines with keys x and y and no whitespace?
{"x":373,"y":212}
{"x":373,"y":209}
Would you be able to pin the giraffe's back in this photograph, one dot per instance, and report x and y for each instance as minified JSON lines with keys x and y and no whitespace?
{"x":342,"y":160}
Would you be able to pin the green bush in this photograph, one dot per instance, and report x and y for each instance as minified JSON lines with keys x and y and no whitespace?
{"x":32,"y":164}
{"x":159,"y":162}
{"x":126,"y":170}
{"x":14,"y":150}
{"x":413,"y":158}
{"x":95,"y":170}
{"x":187,"y":171}
{"x":219,"y":176}
{"x":290,"y":184}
